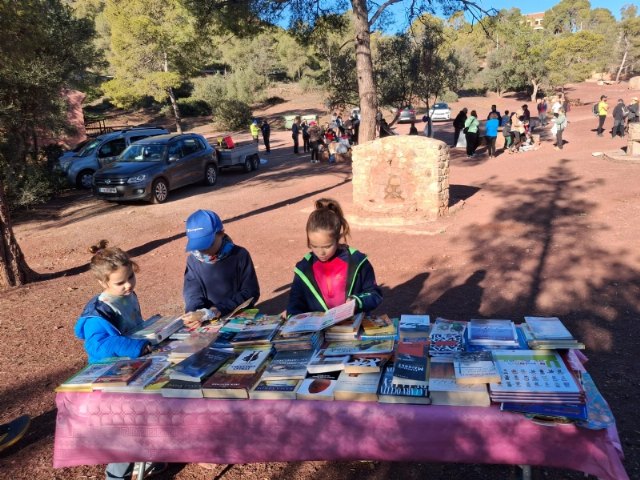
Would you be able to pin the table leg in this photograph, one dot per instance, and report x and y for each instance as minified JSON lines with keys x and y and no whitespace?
{"x":139,"y":467}
{"x":526,"y":472}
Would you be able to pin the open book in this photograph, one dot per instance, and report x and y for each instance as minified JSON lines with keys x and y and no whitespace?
{"x":316,"y":321}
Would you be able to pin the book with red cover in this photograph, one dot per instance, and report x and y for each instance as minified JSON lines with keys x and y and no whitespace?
{"x":121,"y":373}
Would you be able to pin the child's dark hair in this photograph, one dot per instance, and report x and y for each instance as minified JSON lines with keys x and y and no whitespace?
{"x":328,"y":216}
{"x":107,"y":260}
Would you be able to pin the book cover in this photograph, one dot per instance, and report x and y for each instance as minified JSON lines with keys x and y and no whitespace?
{"x":181,"y":389}
{"x":414,"y":327}
{"x":447,"y":337}
{"x":548,"y":328}
{"x":316,"y":389}
{"x":249,"y":361}
{"x":200,"y":365}
{"x":223,"y":384}
{"x":275,"y":390}
{"x":370,"y":347}
{"x":357,"y":386}
{"x":548,"y":411}
{"x":475,"y":367}
{"x":351,"y":325}
{"x":444,"y":390}
{"x":186,"y":332}
{"x":378,"y":325}
{"x":121,"y":373}
{"x":390,"y":392}
{"x":158,"y":328}
{"x":492,"y":332}
{"x":365,"y":364}
{"x":411,"y":364}
{"x":182,"y":349}
{"x":148,"y":376}
{"x":288,"y":364}
{"x":83,"y":380}
{"x":320,"y":363}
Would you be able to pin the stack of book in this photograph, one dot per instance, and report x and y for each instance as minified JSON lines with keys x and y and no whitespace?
{"x":491,"y":333}
{"x":256,"y":334}
{"x":534,"y":376}
{"x":158,"y":328}
{"x":414,"y":327}
{"x":121,"y":373}
{"x":444,"y":389}
{"x":345,"y":330}
{"x":446,"y":337}
{"x":142,"y":381}
{"x":225,"y":384}
{"x":298,"y":341}
{"x":378,"y":327}
{"x":473,"y":368}
{"x":360,"y":347}
{"x":362,"y":387}
{"x":548,"y":333}
{"x":320,"y":363}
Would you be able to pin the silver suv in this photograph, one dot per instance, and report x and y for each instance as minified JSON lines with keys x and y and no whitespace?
{"x":80,"y":166}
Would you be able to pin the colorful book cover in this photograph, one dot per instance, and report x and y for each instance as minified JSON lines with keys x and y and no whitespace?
{"x":288,"y":364}
{"x":390,"y":392}
{"x":84,"y":379}
{"x":548,"y":328}
{"x":316,"y":389}
{"x":122,"y":372}
{"x":447,"y":337}
{"x":370,"y":347}
{"x":223,"y":384}
{"x":365,"y":364}
{"x":148,"y":376}
{"x":411,"y":363}
{"x":475,"y":367}
{"x":200,"y":365}
{"x":320,"y":363}
{"x":414,"y":327}
{"x":249,"y":361}
{"x":316,"y":321}
{"x":378,"y":325}
{"x":492,"y":332}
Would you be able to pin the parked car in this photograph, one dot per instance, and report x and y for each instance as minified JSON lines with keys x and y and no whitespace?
{"x":79,"y":167}
{"x":152,"y":167}
{"x":440,"y":111}
{"x":407,"y":114}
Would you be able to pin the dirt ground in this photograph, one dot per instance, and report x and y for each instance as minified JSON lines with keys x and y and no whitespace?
{"x":540,"y":233}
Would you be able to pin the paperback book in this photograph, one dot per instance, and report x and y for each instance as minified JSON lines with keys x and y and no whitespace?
{"x":316,"y":321}
{"x":316,"y":389}
{"x":390,"y":392}
{"x":85,"y":378}
{"x":158,"y":328}
{"x":181,"y":389}
{"x":320,"y":363}
{"x":121,"y":373}
{"x":374,"y":325}
{"x":138,"y":385}
{"x":446,"y":337}
{"x":366,"y":364}
{"x":275,"y":390}
{"x":492,"y":332}
{"x":411,"y":366}
{"x":249,"y":361}
{"x":444,"y":390}
{"x":200,"y":365}
{"x":475,"y":367}
{"x":290,"y":364}
{"x":364,"y":347}
{"x":223,"y":384}
{"x":548,"y":328}
{"x":414,"y":327}
{"x":360,"y":387}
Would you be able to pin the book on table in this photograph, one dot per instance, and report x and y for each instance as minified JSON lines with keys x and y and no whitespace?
{"x":411,"y":366}
{"x":546,"y":343}
{"x":316,"y":321}
{"x":320,"y":363}
{"x":366,"y":363}
{"x":548,"y":328}
{"x":444,"y":390}
{"x":360,"y":347}
{"x":83,"y":380}
{"x":158,"y":328}
{"x":446,"y":337}
{"x":223,"y":384}
{"x":492,"y":332}
{"x":181,"y":389}
{"x":375,"y":325}
{"x":121,"y":373}
{"x":187,"y":332}
{"x":316,"y":389}
{"x":139,"y":384}
{"x":548,"y":411}
{"x":390,"y":392}
{"x":349,"y":327}
{"x":275,"y":390}
{"x":361,"y":387}
{"x":288,"y":364}
{"x":414,"y":327}
{"x":200,"y":365}
{"x":475,"y":367}
{"x":249,"y":361}
{"x":299,"y":341}
{"x":240,"y":321}
{"x":182,"y":349}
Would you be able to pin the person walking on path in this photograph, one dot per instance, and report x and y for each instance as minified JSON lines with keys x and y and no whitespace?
{"x":491,"y":133}
{"x":471,"y":127}
{"x":458,"y":125}
{"x":295,"y":134}
{"x":255,"y":130}
{"x":315,"y":137}
{"x":305,"y":136}
{"x":603,"y":108}
{"x":266,"y":135}
{"x":620,"y":114}
{"x":506,"y":130}
{"x":542,"y":111}
{"x":559,"y":124}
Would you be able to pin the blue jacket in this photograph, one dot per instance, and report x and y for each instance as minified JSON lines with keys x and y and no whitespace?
{"x":305,"y":294}
{"x":491,"y":127}
{"x":97,"y":326}
{"x":224,"y":284}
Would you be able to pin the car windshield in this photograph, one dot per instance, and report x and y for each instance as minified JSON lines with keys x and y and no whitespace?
{"x":89,"y":148}
{"x":441,"y":106}
{"x":143,"y":153}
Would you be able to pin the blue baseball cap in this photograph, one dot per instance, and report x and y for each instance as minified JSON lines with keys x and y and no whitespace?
{"x":202,"y":226}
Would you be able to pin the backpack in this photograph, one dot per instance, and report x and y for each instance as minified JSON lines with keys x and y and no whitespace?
{"x":596,"y":109}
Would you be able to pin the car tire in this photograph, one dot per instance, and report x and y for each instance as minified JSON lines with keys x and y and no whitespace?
{"x":248,"y":165}
{"x":210,"y":175}
{"x":84,"y":180}
{"x":255,"y":162}
{"x":159,"y":191}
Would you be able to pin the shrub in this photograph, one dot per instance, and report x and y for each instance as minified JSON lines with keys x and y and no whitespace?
{"x":33,"y":184}
{"x":232,"y":115}
{"x":190,"y":107}
{"x":450,"y":97}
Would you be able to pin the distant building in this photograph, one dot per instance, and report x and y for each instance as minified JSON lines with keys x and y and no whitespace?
{"x":534,"y":20}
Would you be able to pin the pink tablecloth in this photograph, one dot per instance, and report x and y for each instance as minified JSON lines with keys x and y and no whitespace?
{"x":94,"y":428}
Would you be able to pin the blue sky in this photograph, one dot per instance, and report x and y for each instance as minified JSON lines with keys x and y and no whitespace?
{"x":525,"y":6}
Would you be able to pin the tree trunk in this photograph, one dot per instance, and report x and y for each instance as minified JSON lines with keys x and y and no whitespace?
{"x":624,"y":59}
{"x":364,"y":69}
{"x":535,"y":86}
{"x":176,"y":111}
{"x":14,"y":270}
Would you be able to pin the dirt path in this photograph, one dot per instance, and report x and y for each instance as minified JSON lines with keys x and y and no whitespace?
{"x":545,"y":232}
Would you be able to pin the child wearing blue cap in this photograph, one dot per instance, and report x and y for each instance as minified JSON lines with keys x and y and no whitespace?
{"x":219,"y":275}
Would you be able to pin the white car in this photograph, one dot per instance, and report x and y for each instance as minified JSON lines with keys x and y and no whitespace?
{"x":440,"y":111}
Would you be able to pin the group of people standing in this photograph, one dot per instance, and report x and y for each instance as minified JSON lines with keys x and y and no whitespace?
{"x":517,"y":127}
{"x":622,"y":115}
{"x":337,"y":136}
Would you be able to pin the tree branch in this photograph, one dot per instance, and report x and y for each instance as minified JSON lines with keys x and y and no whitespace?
{"x":381,"y":9}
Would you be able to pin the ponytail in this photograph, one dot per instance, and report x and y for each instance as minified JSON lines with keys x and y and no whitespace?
{"x":328,"y":216}
{"x":106,"y":260}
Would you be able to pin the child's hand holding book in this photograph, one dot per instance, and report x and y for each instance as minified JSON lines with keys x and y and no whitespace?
{"x":195,"y":319}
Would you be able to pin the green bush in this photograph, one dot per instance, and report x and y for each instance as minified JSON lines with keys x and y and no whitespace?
{"x":190,"y":107}
{"x":232,"y":115}
{"x":450,"y":97}
{"x":210,"y":89}
{"x":30,"y":184}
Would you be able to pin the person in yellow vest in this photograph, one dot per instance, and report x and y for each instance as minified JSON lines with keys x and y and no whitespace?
{"x":255,"y":130}
{"x":603,"y":108}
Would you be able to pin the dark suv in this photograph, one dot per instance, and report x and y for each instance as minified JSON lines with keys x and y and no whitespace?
{"x":150,"y":168}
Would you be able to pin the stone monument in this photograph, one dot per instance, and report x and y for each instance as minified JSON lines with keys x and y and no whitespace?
{"x":400,"y":180}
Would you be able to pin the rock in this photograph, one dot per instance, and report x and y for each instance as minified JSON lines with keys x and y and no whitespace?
{"x":634,"y":83}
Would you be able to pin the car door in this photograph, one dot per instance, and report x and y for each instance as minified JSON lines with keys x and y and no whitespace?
{"x":194,"y":159}
{"x":175,"y":167}
{"x":110,"y":150}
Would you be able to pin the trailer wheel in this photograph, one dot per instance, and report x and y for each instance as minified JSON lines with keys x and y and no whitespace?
{"x":248,"y":165}
{"x":255,"y":162}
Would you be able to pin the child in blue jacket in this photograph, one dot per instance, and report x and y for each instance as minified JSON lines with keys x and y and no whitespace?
{"x":108,"y":318}
{"x":332,"y":272}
